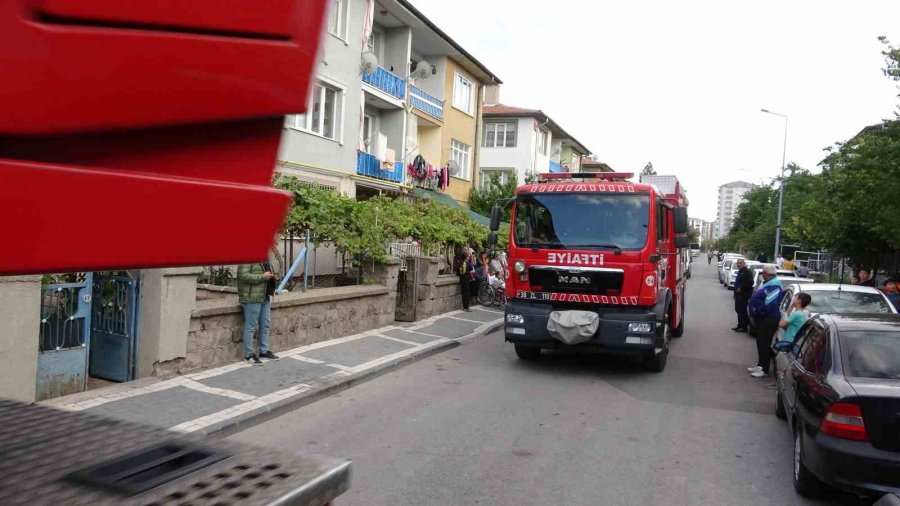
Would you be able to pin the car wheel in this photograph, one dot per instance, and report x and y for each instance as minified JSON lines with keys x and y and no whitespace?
{"x":779,"y":406}
{"x":527,"y":352}
{"x":656,"y":362}
{"x":805,"y":483}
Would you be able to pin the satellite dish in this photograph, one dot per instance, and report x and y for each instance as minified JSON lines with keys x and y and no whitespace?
{"x":453,"y":167}
{"x":368,"y":63}
{"x":422,"y":70}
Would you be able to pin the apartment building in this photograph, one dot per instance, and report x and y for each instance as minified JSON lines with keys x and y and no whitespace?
{"x":730,"y":197}
{"x":521,"y":143}
{"x":705,"y":228}
{"x":407,"y":90}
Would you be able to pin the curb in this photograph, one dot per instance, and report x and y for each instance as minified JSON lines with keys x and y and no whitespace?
{"x":326,"y":389}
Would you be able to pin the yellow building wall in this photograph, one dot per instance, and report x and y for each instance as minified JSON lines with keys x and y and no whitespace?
{"x":430,"y":143}
{"x":462,"y":127}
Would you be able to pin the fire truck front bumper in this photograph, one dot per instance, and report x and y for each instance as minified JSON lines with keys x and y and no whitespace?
{"x":620,"y":329}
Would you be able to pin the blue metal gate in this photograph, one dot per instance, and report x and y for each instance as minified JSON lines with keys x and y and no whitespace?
{"x":64,"y":335}
{"x":114,"y":323}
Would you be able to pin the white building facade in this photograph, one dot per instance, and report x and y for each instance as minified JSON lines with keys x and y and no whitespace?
{"x":731,"y":195}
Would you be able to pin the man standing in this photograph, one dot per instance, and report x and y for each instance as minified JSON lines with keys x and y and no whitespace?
{"x":743,"y":285}
{"x":709,"y":255}
{"x":256,"y":287}
{"x":779,"y":261}
{"x":764,"y":308}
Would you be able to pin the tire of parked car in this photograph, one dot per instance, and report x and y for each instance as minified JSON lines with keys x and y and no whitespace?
{"x":527,"y":352}
{"x":779,"y":407}
{"x":805,"y":483}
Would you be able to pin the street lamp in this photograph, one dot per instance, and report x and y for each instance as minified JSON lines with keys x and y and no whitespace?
{"x":781,"y":189}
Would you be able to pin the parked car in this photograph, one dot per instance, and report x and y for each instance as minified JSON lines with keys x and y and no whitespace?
{"x":838,"y":386}
{"x":732,"y":274}
{"x":839,"y":299}
{"x":725,"y":265}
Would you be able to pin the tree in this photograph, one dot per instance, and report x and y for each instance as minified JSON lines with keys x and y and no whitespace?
{"x":648,"y":170}
{"x":891,"y":61}
{"x":481,"y":200}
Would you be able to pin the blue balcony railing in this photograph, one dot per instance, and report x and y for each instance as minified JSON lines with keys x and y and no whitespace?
{"x":555,"y":167}
{"x":368,"y":165}
{"x":426,"y":103}
{"x":386,"y":82}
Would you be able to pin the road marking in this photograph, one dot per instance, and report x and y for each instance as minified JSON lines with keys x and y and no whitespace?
{"x":224,"y":392}
{"x":465,"y":320}
{"x":306,"y":359}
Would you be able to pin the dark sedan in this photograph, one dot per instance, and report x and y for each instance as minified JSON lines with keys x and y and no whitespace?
{"x":838,"y":385}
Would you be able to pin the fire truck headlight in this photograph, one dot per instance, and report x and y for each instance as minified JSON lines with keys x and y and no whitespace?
{"x":640,"y":327}
{"x":519,"y":266}
{"x":515,"y":318}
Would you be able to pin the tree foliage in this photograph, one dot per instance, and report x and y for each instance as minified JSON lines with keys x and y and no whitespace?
{"x":648,"y":170}
{"x":364,"y":229}
{"x":481,"y":200}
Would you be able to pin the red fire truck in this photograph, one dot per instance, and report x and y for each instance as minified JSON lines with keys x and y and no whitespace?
{"x":595,"y":266}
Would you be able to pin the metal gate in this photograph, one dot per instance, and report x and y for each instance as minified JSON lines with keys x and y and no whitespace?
{"x":64,"y":335}
{"x":407,"y":293}
{"x":113,"y":342}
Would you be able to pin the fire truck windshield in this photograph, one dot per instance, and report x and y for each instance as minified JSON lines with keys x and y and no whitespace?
{"x":582,"y":221}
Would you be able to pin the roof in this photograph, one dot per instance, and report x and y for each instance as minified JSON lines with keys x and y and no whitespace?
{"x":867,"y":321}
{"x":833,"y":287}
{"x":445,"y":199}
{"x":596,"y":164}
{"x":415,"y":12}
{"x":509,"y":111}
{"x":738,"y":184}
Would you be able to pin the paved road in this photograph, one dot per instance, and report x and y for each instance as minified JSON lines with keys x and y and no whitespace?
{"x":474,"y":425}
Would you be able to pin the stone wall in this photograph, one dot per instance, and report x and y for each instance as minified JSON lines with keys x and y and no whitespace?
{"x":216,"y":326}
{"x":436,"y":294}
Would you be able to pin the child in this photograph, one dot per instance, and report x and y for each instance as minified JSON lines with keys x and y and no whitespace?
{"x":796,"y":316}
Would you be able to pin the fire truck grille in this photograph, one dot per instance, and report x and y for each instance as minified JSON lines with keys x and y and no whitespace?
{"x":588,"y":281}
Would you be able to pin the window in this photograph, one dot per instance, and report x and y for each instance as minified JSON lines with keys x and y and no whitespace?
{"x":459,"y":153}
{"x":662,"y":228}
{"x":336,"y":19}
{"x":503,"y":176}
{"x":462,"y":94}
{"x":542,"y":142}
{"x":871,"y":353}
{"x":500,"y":135}
{"x":588,"y":221}
{"x":812,"y":351}
{"x":370,"y":43}
{"x":323,"y":114}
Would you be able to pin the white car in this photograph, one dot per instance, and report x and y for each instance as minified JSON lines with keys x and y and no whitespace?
{"x":732,"y":274}
{"x":725,"y":266}
{"x":838,"y":298}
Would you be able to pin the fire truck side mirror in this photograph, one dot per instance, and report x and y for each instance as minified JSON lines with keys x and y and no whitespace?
{"x":682,"y":241}
{"x":492,"y":239}
{"x":680,"y":220}
{"x":495,"y":218}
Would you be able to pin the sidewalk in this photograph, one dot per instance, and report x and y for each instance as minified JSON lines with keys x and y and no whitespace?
{"x":238,"y":395}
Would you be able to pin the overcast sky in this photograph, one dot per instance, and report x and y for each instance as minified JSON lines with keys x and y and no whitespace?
{"x":681,"y":84}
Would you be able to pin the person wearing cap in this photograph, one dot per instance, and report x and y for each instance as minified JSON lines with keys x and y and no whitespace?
{"x":764,"y":307}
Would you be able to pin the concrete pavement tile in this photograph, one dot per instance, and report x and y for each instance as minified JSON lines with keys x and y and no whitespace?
{"x":409,"y":335}
{"x":480,"y":315}
{"x":357,"y":352}
{"x":450,"y":328}
{"x":271,"y":377}
{"x":166,"y":409}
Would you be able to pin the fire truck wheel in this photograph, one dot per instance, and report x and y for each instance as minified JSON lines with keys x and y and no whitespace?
{"x":679,"y":330}
{"x":656,"y":362}
{"x":527,"y":352}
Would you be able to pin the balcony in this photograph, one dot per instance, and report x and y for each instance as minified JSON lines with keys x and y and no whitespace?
{"x":369,"y":166}
{"x":555,"y":167}
{"x":426,"y":103}
{"x":386,"y":82}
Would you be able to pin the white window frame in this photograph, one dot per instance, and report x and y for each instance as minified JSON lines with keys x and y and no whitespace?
{"x":342,"y":17}
{"x":370,"y":134}
{"x":509,"y":174}
{"x":495,"y":136}
{"x":303,"y":122}
{"x":461,"y":86}
{"x":461,"y":153}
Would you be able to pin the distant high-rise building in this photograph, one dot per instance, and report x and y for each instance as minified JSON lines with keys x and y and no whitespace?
{"x":730,"y":197}
{"x":705,"y":229}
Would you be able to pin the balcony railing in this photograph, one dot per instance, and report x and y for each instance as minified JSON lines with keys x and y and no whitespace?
{"x":386,"y":82}
{"x":368,"y":165}
{"x":555,"y":167}
{"x":426,"y":103}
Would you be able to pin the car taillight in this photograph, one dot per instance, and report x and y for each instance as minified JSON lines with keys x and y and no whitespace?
{"x":845,"y":421}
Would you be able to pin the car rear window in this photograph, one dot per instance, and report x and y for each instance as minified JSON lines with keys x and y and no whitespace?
{"x":871,"y":354}
{"x":847,"y":302}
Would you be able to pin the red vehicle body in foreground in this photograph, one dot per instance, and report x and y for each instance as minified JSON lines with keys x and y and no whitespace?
{"x":596,"y":244}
